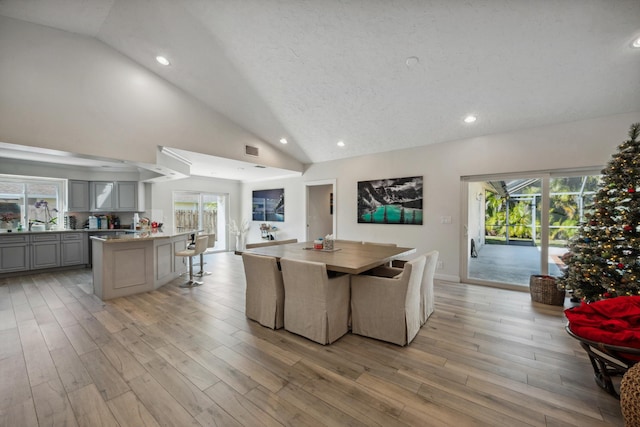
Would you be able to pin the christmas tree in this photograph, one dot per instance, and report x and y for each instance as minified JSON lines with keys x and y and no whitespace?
{"x":604,"y":257}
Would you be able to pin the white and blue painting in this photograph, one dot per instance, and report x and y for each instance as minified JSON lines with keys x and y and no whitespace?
{"x":268,"y":205}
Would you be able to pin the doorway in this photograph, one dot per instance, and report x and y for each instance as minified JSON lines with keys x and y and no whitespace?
{"x":519,"y":225}
{"x":321,"y":208}
{"x":205,"y":212}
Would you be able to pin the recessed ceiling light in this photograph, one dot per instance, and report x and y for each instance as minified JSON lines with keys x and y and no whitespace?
{"x":411,"y":61}
{"x":340,"y":143}
{"x":162,"y":60}
{"x":470,"y":119}
{"x":636,"y":43}
{"x":283,"y":140}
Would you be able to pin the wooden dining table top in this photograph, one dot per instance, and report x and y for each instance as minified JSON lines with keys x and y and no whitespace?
{"x":346,"y":257}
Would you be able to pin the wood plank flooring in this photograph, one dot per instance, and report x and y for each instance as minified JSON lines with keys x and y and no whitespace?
{"x":189,"y":357}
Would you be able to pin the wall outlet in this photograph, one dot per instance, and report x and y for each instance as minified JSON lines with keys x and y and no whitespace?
{"x":445,"y":220}
{"x":439,"y":265}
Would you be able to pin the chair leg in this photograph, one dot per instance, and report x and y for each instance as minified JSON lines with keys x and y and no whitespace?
{"x":191,"y":283}
{"x":202,"y":273}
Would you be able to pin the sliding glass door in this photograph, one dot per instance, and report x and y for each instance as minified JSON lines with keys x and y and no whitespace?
{"x":519,"y":225}
{"x":205,"y":212}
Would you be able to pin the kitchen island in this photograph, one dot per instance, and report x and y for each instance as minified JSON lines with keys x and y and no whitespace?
{"x":136,"y":262}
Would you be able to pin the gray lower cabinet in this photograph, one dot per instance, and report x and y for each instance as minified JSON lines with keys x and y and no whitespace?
{"x":14,"y":253}
{"x":73,"y":249}
{"x":45,"y":250}
{"x":42,"y":250}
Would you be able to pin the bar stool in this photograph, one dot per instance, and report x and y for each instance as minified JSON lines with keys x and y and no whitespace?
{"x":211,"y":241}
{"x":200,"y":247}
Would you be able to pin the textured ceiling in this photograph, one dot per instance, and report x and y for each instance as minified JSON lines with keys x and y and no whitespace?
{"x":378,"y":74}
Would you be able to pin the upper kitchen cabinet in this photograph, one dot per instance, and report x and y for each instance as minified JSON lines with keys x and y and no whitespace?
{"x":78,"y":192}
{"x":127,"y":193}
{"x":103,"y":196}
{"x":118,"y":196}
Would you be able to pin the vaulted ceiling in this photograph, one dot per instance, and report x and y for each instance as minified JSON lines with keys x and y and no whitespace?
{"x":378,"y":75}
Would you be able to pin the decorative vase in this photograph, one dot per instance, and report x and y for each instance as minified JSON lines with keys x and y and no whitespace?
{"x":239,"y":242}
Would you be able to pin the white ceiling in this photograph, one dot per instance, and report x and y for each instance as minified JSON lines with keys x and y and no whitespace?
{"x":377,"y":74}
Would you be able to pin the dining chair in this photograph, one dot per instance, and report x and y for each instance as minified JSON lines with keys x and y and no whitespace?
{"x":427,"y":297}
{"x":264,"y":296}
{"x":199,"y":247}
{"x":388,"y":308}
{"x":316,"y":306}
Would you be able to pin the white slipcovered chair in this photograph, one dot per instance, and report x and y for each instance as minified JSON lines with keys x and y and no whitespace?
{"x":427,"y":298}
{"x":388,"y":308}
{"x":264,"y":298}
{"x":316,"y":306}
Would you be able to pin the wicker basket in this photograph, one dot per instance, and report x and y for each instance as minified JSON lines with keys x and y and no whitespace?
{"x":630,"y":396}
{"x":544,"y":290}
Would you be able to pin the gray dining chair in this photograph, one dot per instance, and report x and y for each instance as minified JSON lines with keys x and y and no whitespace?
{"x":264,"y":296}
{"x":427,"y":297}
{"x":388,"y":308}
{"x":316,"y":306}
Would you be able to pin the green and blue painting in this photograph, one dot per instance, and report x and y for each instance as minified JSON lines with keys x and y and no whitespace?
{"x":390,"y":201}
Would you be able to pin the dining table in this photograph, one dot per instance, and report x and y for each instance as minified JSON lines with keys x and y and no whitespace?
{"x":352,"y":257}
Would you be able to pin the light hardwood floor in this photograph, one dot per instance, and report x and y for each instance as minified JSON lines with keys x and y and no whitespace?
{"x":189,"y":357}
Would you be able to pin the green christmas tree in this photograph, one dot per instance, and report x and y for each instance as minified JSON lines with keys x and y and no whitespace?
{"x":604,"y":257}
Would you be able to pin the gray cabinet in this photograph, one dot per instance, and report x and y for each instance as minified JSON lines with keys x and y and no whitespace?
{"x":14,"y":253}
{"x":73,"y":249}
{"x":127,"y":196}
{"x":45,"y":250}
{"x":78,"y":196}
{"x":103,"y":197}
{"x":117,"y":196}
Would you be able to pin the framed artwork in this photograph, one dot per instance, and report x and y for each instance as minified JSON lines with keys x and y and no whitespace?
{"x":390,"y":201}
{"x":268,"y":205}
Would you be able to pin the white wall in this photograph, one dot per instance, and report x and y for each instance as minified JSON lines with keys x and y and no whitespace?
{"x":68,"y":92}
{"x":293,"y":226}
{"x":587,"y":143}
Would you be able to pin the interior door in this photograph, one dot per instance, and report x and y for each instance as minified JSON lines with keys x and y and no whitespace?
{"x":320,"y":210}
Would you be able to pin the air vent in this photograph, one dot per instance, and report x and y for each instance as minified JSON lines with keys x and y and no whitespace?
{"x":260,"y":167}
{"x":251,"y":151}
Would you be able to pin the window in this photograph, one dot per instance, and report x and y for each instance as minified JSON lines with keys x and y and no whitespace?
{"x":24,"y":201}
